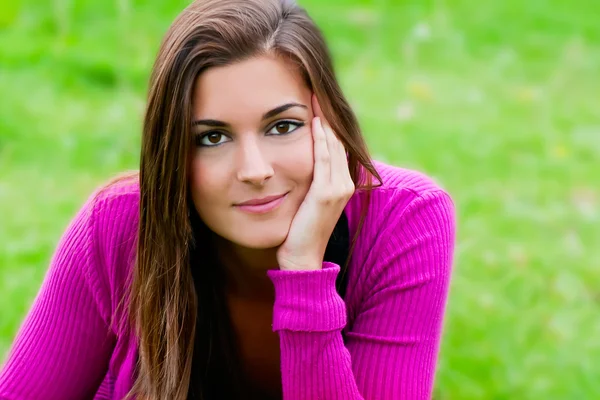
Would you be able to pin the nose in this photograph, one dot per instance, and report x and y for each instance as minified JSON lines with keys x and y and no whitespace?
{"x":254,"y":167}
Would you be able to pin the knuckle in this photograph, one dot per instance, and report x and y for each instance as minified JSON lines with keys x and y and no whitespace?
{"x":320,"y":136}
{"x":323,"y":157}
{"x":326,"y":197}
{"x":342,"y":194}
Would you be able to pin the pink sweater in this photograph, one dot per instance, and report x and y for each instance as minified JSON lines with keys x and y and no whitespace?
{"x":392,"y":313}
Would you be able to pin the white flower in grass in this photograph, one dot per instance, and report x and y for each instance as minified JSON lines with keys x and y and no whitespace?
{"x":405,"y":112}
{"x":421,"y":31}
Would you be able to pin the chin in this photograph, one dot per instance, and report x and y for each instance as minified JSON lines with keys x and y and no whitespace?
{"x":260,"y":242}
{"x":260,"y":236}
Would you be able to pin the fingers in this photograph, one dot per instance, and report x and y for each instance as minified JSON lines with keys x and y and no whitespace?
{"x":340,"y":173}
{"x":336,"y":149}
{"x":334,"y":173}
{"x":321,"y":174}
{"x":331,"y":163}
{"x":318,"y":112}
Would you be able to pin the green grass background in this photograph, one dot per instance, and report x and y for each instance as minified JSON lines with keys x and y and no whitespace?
{"x":499,"y":101}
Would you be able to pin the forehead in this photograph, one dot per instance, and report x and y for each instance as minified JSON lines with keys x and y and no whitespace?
{"x":248,"y":87}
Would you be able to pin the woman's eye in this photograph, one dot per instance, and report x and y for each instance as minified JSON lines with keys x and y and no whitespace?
{"x":284,"y":127}
{"x":211,"y":139}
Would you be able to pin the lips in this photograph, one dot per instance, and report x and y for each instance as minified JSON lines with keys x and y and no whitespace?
{"x":262,"y":205}
{"x":261,"y":201}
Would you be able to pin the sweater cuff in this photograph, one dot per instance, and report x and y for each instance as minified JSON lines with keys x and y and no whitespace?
{"x":307,"y":300}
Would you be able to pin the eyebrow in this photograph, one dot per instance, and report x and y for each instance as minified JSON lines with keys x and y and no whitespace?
{"x":269,"y":114}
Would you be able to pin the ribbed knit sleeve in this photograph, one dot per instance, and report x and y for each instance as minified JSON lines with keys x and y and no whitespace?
{"x":391,"y":348}
{"x":63,"y":347}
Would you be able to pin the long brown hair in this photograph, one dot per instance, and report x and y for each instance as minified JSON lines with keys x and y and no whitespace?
{"x":176,"y":299}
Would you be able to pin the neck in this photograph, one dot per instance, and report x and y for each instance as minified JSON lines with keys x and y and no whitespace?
{"x":246,"y":269}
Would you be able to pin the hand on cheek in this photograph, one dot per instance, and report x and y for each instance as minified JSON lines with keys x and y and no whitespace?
{"x":331,"y":188}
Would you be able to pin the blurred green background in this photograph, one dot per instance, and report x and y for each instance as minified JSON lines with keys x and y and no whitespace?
{"x":499,"y":101}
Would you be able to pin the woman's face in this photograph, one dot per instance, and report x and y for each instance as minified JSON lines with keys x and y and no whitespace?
{"x":252,"y":124}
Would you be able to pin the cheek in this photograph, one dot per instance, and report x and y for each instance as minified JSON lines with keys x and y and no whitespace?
{"x":298,"y":161}
{"x":206,"y":184}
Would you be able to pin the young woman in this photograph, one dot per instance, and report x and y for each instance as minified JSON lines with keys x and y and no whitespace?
{"x":258,"y":254}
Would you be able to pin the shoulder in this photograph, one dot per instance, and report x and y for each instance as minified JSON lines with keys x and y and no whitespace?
{"x":410,"y":191}
{"x":401,"y":183}
{"x":99,"y":243}
{"x":114,"y":215}
{"x":117,"y":201}
{"x":415,"y":205}
{"x":408,"y":232}
{"x":108,"y":217}
{"x":120,"y":186}
{"x":114,"y":208}
{"x":409,"y":210}
{"x":400,"y":191}
{"x":412,"y":197}
{"x":111,"y":210}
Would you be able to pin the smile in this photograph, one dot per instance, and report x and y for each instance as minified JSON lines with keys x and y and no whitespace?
{"x":262,"y":206}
